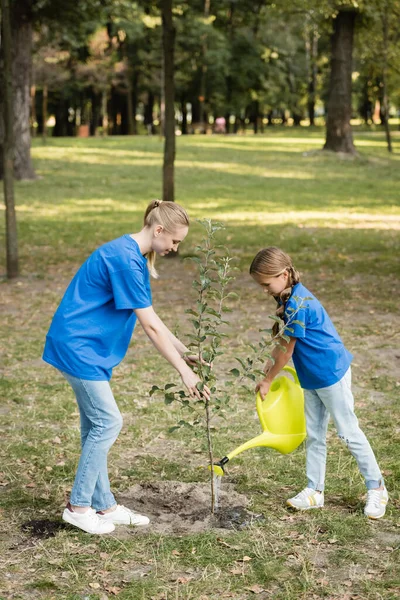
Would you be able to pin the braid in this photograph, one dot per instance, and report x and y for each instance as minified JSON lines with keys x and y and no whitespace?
{"x":273,"y":262}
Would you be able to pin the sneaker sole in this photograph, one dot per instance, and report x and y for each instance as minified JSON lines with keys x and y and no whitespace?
{"x":131,"y":524}
{"x":375,"y":518}
{"x":303,"y":508}
{"x":66,"y":518}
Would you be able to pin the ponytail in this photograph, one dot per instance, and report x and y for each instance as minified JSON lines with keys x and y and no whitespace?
{"x":168,"y":214}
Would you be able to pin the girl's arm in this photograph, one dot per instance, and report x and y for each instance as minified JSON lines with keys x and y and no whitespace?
{"x":281,"y":359}
{"x":157,"y":332}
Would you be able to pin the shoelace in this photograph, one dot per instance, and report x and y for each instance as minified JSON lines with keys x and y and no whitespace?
{"x":304,"y":493}
{"x":374,"y":498}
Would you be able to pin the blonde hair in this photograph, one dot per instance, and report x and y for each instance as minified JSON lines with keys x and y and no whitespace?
{"x":272,"y":262}
{"x":168,"y":214}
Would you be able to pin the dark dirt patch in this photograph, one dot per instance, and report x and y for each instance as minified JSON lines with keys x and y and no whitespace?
{"x":42,"y":528}
{"x":176,"y":507}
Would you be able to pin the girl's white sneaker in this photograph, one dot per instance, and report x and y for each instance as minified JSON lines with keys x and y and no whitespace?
{"x":306,"y":499}
{"x":123,"y":516}
{"x":377,"y":500}
{"x":88,"y":521}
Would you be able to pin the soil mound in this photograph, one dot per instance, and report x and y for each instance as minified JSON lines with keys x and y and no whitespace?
{"x":176,"y":507}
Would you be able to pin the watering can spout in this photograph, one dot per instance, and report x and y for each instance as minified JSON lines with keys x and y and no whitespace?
{"x":281,"y":415}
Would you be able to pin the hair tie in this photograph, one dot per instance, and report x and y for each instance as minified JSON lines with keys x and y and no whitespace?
{"x":157,"y":203}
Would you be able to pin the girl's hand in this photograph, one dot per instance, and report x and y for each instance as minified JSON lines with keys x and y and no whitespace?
{"x":193,"y":360}
{"x":190,"y":380}
{"x":263,"y":387}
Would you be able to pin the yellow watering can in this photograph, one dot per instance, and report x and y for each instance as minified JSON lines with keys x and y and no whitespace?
{"x":281,"y":414}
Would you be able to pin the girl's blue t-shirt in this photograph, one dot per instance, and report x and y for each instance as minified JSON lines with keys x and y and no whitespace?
{"x":92,"y":328}
{"x":319,"y":356}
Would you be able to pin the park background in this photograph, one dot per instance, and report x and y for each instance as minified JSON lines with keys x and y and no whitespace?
{"x":94,"y":153}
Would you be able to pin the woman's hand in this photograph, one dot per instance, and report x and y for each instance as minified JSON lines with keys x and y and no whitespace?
{"x":263,"y":387}
{"x":191,"y":380}
{"x":193,"y":359}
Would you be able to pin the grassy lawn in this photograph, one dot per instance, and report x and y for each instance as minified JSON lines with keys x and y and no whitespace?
{"x":340,"y":221}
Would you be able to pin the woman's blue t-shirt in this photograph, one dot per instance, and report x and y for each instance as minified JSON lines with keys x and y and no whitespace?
{"x":92,"y":327}
{"x":319,"y":356}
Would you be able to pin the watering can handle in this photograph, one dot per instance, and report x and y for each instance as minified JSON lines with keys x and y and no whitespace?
{"x":292,"y":372}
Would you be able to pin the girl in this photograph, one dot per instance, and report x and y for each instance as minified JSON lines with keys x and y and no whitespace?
{"x":89,"y":336}
{"x":323,"y":367}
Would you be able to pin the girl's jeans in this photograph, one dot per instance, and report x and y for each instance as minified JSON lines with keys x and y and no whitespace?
{"x":101,"y":423}
{"x":336,"y":400}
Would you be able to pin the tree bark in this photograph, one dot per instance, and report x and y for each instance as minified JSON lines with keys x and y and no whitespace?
{"x":169,"y":94}
{"x":339,"y":137}
{"x":21,"y":27}
{"x":203,"y":78}
{"x":385,"y":32}
{"x":8,"y":136}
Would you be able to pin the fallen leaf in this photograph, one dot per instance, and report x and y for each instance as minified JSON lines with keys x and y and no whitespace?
{"x":105,"y":555}
{"x":94,"y":586}
{"x":246,"y":558}
{"x":184,"y":579}
{"x":256,"y":589}
{"x":112,"y":589}
{"x":56,"y":440}
{"x":236,"y":571}
{"x":176,"y":552}
{"x":332,"y":541}
{"x":348,"y":583}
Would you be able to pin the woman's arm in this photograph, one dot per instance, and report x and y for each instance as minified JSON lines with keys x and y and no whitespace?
{"x":157,"y":332}
{"x":281,"y":359}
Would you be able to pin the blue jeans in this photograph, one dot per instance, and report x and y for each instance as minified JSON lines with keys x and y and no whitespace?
{"x":336,"y":401}
{"x":101,"y":423}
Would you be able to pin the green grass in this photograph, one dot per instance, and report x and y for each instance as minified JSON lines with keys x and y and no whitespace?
{"x":340,"y":220}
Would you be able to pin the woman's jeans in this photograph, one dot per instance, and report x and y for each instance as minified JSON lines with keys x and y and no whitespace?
{"x":336,"y":401}
{"x":101,"y":423}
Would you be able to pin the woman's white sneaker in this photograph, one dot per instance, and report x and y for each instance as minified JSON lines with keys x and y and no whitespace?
{"x":88,"y":521}
{"x":306,"y":499}
{"x":123,"y":516}
{"x":377,"y":500}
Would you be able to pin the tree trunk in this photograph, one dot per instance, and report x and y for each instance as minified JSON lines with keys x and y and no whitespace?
{"x":311,"y":58}
{"x":385,"y":31}
{"x":169,"y":94}
{"x":44,"y":113}
{"x":184,"y":115}
{"x":33,"y":110}
{"x":104,"y":113}
{"x":21,"y":27}
{"x":8,"y":136}
{"x":148,"y":113}
{"x":339,"y":137}
{"x":203,"y":79}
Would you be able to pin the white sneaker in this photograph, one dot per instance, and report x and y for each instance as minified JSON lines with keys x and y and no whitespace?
{"x":87,"y":521}
{"x":306,"y":499}
{"x":123,"y":516}
{"x":375,"y":507}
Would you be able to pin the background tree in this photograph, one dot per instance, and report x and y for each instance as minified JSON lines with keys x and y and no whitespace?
{"x":168,"y":38}
{"x":8,"y":136}
{"x":339,"y":137}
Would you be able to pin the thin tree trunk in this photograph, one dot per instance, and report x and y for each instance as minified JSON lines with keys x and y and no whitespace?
{"x":44,"y":113}
{"x":104,"y":113}
{"x":8,"y":153}
{"x":169,"y":93}
{"x":311,"y":43}
{"x":33,"y":110}
{"x":203,"y":79}
{"x":184,"y":115}
{"x":385,"y":28}
{"x":339,"y":137}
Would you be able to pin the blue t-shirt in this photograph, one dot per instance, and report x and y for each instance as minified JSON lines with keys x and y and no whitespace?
{"x":319,"y":356}
{"x":92,"y":327}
